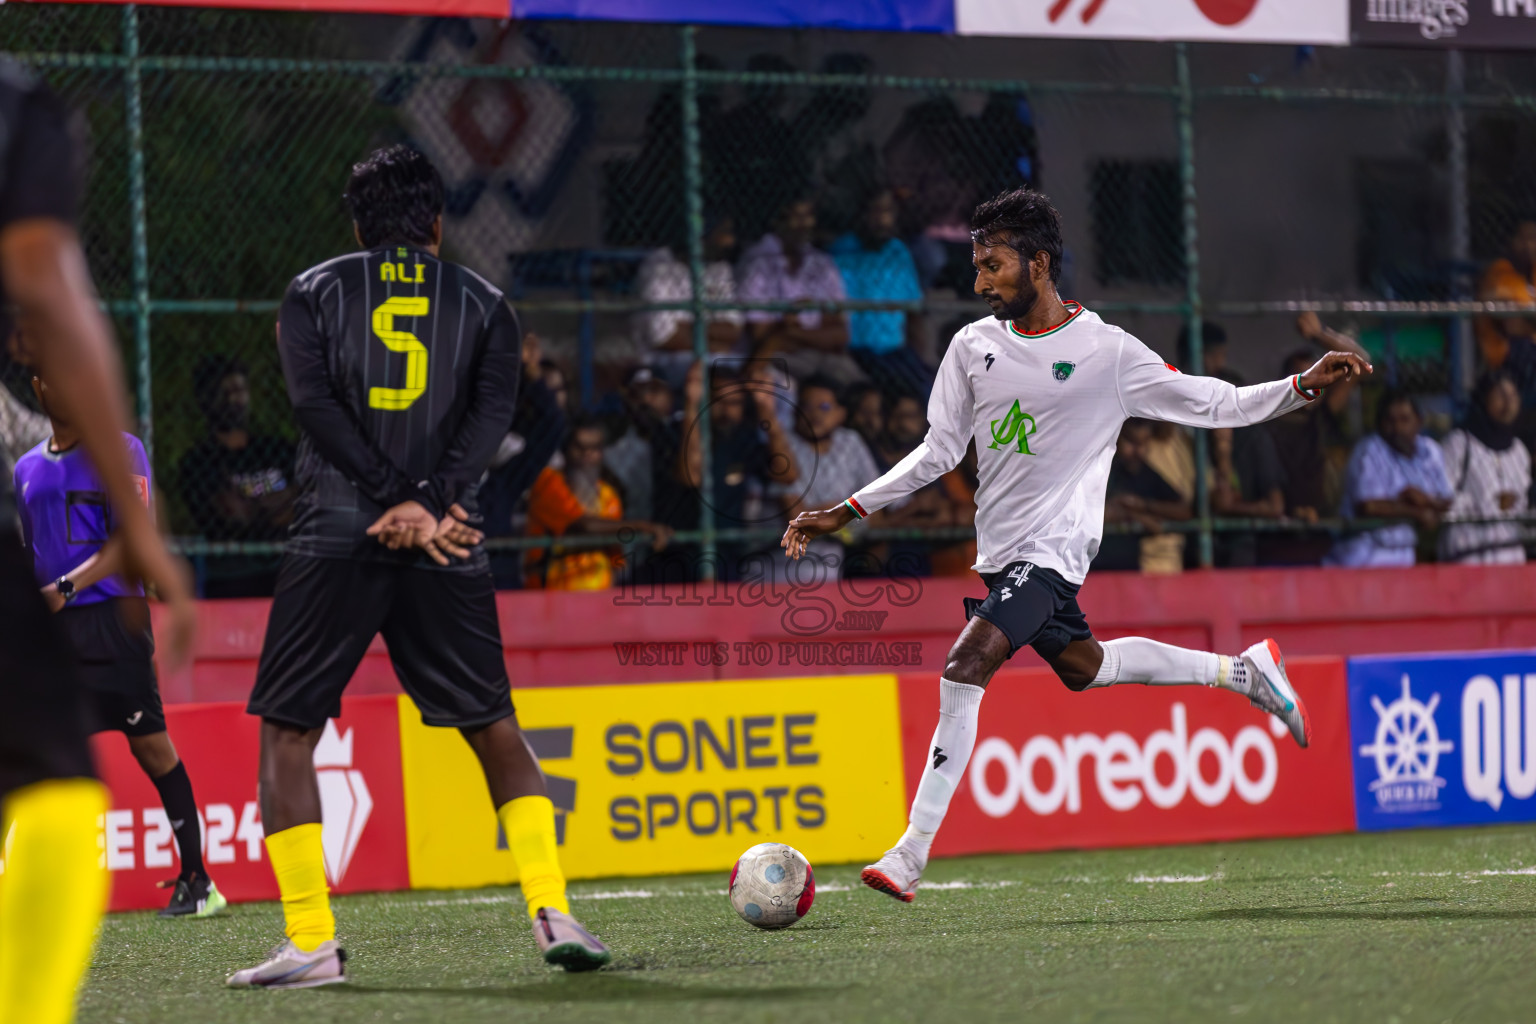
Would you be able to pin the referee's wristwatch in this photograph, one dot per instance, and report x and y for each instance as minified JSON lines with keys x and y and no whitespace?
{"x":66,"y":588}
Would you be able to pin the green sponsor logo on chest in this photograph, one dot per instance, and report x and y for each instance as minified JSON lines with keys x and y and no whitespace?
{"x":1014,"y":428}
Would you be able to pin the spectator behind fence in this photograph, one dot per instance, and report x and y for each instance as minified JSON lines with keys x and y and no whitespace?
{"x":876,"y":265}
{"x":664,"y":276}
{"x":1313,"y":448}
{"x":784,"y":267}
{"x":579,"y":501}
{"x":1510,"y":342}
{"x":1136,"y":494}
{"x":236,"y":484}
{"x":866,"y":411}
{"x":1247,"y":482}
{"x":749,"y":451}
{"x":926,"y":508}
{"x":1213,"y":349}
{"x":554,"y":377}
{"x":21,"y":427}
{"x":1490,"y":472}
{"x":651,"y":412}
{"x":1395,"y":473}
{"x":537,"y":428}
{"x":834,"y":462}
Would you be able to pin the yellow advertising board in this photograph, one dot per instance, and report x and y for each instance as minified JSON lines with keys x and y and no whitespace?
{"x":670,"y":778}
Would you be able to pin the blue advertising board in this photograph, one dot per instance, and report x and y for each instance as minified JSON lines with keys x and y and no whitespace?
{"x":1443,"y":739}
{"x":883,"y":15}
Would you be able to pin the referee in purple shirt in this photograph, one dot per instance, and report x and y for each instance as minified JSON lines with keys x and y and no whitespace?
{"x":68,"y":524}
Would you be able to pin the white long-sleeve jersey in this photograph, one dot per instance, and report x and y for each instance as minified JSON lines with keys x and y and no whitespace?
{"x":1045,"y":410}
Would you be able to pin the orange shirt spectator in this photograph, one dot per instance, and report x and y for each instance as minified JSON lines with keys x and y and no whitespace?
{"x":578,"y":501}
{"x":1511,"y":278}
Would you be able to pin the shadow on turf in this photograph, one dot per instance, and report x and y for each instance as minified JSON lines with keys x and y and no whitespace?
{"x":602,"y":987}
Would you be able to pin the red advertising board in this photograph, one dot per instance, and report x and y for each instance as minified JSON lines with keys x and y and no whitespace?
{"x":358,"y":762}
{"x":1136,"y":765}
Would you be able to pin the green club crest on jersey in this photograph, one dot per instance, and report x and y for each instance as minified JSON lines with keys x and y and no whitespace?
{"x":1014,"y":428}
{"x":1062,"y":370}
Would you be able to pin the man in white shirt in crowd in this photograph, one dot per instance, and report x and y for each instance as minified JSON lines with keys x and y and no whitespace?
{"x":1396,"y":473}
{"x":1043,"y":387}
{"x":665,"y":336}
{"x":783,"y":266}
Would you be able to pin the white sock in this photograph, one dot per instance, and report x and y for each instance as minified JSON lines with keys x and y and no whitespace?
{"x":948,"y":754}
{"x":1135,"y":659}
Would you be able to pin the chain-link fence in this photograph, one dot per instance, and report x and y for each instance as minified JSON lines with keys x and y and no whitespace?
{"x":794,"y":206}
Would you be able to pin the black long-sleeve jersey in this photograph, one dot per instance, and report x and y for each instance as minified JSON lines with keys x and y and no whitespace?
{"x":402,"y":370}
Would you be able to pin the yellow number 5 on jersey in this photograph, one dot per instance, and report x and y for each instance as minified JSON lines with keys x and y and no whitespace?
{"x":399,"y":399}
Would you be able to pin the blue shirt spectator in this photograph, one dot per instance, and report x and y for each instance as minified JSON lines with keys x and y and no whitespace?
{"x":1394,"y":473}
{"x":877,"y":265}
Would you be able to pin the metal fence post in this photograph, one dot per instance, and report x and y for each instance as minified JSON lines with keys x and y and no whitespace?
{"x":1462,"y":356}
{"x":136,"y":206}
{"x":1194,"y":312}
{"x":693,"y":185}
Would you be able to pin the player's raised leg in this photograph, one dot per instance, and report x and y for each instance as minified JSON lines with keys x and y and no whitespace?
{"x":1257,"y":673}
{"x":973,"y":660}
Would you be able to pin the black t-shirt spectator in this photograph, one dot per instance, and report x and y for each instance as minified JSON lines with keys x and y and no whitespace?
{"x":1259,"y":471}
{"x":739,"y":462}
{"x":1122,"y":551}
{"x":239,"y":494}
{"x":235,"y":493}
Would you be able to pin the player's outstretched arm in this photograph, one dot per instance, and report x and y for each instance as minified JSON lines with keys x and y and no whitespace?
{"x":1155,"y":390}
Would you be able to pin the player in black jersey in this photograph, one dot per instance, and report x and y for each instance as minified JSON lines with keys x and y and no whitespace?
{"x":53,"y":889}
{"x":402,"y":369}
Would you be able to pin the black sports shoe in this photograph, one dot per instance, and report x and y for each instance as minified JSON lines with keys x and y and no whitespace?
{"x":194,"y":897}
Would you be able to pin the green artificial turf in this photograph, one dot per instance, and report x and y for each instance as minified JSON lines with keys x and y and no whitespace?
{"x":1411,"y":926}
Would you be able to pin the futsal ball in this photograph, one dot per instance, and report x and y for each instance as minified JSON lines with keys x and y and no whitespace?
{"x":772,"y":886}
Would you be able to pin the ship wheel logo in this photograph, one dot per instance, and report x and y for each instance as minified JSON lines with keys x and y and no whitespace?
{"x":1407,"y":752}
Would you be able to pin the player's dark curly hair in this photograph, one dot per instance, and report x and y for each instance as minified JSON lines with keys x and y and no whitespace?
{"x":396,"y":195}
{"x":1025,"y":221}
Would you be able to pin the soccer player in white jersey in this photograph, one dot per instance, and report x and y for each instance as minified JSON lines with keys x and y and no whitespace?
{"x":1044,"y":386}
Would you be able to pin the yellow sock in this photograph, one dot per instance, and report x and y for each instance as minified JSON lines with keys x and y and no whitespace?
{"x":298,"y":861}
{"x":529,"y":822}
{"x":51,"y":898}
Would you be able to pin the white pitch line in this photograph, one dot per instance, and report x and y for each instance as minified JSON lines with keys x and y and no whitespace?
{"x":1174,"y":878}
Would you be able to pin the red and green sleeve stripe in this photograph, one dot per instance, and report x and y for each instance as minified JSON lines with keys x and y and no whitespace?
{"x":1303,"y":392}
{"x":856,"y":508}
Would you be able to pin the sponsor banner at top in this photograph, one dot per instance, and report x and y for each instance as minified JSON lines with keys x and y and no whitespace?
{"x":1490,"y":24}
{"x":1324,"y":22}
{"x":883,"y":15}
{"x":1443,"y":740}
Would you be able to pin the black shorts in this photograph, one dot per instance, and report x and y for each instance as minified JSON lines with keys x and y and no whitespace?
{"x":42,"y":706}
{"x":116,"y":655}
{"x":1034,"y":607}
{"x":440,"y":627}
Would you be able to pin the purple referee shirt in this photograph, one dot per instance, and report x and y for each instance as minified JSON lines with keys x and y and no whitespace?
{"x":65,"y":518}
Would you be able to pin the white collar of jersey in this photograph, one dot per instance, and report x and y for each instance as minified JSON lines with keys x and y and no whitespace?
{"x":1074,"y":307}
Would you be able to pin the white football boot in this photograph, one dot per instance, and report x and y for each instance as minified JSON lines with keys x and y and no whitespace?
{"x":896,"y":874}
{"x":290,"y":967}
{"x":1269,"y":689}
